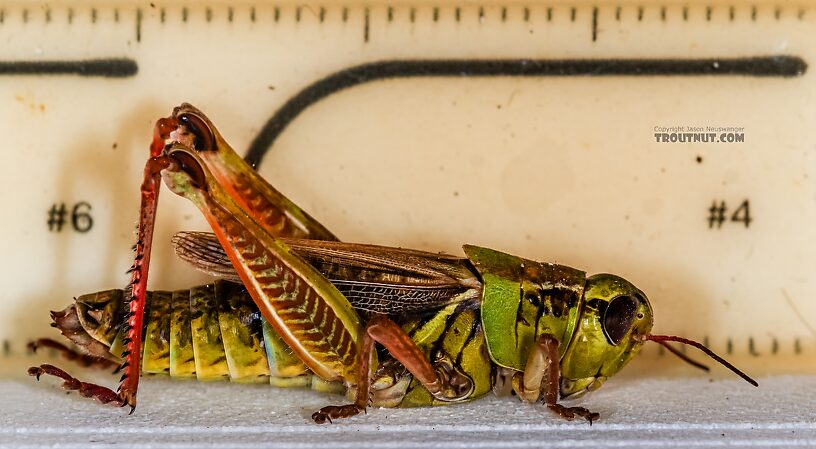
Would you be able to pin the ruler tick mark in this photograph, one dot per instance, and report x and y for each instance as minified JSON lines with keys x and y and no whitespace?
{"x":93,"y":15}
{"x":25,"y":15}
{"x":162,"y":15}
{"x":594,"y":24}
{"x":47,"y":15}
{"x":116,"y":15}
{"x":390,"y":14}
{"x":685,"y":14}
{"x":617,"y":13}
{"x":572,"y":14}
{"x":345,"y":14}
{"x":230,"y":14}
{"x":708,"y":14}
{"x":481,"y":14}
{"x":801,"y":14}
{"x":297,"y":14}
{"x":731,"y":14}
{"x":777,"y":13}
{"x":366,"y":25}
{"x":70,"y":15}
{"x":458,"y":13}
{"x":277,"y":14}
{"x":138,"y":25}
{"x":252,"y":14}
{"x":504,"y":14}
{"x":527,"y":13}
{"x":640,"y":13}
{"x":322,"y":14}
{"x":184,"y":14}
{"x":752,"y":347}
{"x":662,"y":13}
{"x":436,"y":14}
{"x":753,"y":13}
{"x":729,"y":346}
{"x":797,"y":347}
{"x":208,"y":15}
{"x":413,"y":15}
{"x":774,"y":346}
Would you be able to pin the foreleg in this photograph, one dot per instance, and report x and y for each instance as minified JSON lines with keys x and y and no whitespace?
{"x":542,"y":376}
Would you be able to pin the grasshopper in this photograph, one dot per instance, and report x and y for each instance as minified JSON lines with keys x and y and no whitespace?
{"x":387,"y":326}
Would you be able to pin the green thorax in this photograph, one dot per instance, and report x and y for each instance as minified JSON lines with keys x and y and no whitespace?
{"x":522,"y":300}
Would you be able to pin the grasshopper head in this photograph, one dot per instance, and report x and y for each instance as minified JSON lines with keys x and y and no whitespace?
{"x":615,"y":322}
{"x":615,"y":319}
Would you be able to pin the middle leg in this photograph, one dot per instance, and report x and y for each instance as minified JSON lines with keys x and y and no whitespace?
{"x":385,"y":331}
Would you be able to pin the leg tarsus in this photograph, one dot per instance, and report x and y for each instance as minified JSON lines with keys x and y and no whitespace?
{"x":102,"y":394}
{"x":363,"y":385}
{"x":336,"y":412}
{"x":569,"y":413}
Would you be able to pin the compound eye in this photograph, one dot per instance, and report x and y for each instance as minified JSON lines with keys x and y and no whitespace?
{"x":204,"y":140}
{"x":189,"y":165}
{"x":618,"y":318}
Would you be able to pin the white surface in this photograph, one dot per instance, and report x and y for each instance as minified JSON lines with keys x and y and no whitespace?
{"x":637,"y":410}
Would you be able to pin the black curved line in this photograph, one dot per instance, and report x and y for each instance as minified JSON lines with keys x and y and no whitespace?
{"x":762,"y":66}
{"x":109,"y":68}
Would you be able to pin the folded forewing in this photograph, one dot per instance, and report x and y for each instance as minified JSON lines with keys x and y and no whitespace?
{"x":373,"y":278}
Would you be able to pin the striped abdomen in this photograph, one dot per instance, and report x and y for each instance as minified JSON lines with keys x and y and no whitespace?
{"x":215,"y":332}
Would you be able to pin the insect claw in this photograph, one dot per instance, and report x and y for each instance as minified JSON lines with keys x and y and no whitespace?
{"x":132,"y":408}
{"x":35,"y":371}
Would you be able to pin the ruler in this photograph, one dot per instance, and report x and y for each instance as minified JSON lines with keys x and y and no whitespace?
{"x":670,"y":143}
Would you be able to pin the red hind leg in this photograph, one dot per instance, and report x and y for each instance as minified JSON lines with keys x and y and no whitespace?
{"x":88,"y":390}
